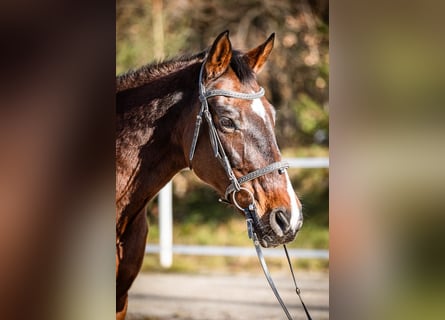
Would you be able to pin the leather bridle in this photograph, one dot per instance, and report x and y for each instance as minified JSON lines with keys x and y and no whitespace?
{"x":236,"y":183}
{"x":218,"y":149}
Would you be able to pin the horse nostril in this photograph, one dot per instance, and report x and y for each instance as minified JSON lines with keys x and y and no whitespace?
{"x":279,"y":222}
{"x":282,"y":221}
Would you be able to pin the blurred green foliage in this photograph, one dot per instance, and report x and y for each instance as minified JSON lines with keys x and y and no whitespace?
{"x":296,"y":80}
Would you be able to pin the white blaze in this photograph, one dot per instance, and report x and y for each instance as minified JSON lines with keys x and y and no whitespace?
{"x":258,"y":108}
{"x":296,"y":215}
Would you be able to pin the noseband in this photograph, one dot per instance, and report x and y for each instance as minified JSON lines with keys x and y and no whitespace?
{"x":218,"y":149}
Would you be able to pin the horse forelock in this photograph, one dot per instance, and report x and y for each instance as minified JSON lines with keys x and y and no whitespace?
{"x":239,"y":65}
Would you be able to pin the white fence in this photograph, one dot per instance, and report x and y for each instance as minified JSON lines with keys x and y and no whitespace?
{"x":166,"y":248}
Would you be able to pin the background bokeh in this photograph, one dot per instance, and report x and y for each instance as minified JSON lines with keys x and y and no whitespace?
{"x":387,"y":155}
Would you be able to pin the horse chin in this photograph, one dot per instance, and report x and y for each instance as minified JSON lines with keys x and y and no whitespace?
{"x":268,"y":242}
{"x":271,"y":242}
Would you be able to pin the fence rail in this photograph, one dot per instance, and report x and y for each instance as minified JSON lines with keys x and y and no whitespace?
{"x":308,"y":163}
{"x":239,"y":251}
{"x":166,"y":247}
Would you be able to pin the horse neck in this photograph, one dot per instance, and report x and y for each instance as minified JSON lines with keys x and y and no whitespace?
{"x":151,"y":121}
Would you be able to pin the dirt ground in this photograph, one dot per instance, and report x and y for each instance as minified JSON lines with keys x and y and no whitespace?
{"x":156,"y":296}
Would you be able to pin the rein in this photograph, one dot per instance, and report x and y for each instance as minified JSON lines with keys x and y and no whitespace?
{"x":235,"y":184}
{"x":250,"y":212}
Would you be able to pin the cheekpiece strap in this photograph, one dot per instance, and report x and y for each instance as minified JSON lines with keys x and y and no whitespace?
{"x":204,"y":112}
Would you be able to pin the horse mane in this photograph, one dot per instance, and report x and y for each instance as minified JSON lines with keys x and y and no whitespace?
{"x":134,"y":78}
{"x":155,"y":70}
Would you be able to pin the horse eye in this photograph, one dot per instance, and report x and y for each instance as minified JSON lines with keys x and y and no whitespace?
{"x":227,"y":123}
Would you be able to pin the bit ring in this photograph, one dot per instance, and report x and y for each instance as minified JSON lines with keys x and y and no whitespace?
{"x":234,"y":199}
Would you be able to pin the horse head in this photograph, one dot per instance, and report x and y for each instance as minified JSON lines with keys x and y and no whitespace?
{"x":244,"y":126}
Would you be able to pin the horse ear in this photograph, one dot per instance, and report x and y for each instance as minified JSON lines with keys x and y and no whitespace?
{"x":219,"y":56}
{"x":258,"y":56}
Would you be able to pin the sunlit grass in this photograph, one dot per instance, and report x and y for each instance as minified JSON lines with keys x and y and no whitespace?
{"x":234,"y":233}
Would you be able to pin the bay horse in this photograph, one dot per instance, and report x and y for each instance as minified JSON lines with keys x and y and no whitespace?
{"x":160,"y":108}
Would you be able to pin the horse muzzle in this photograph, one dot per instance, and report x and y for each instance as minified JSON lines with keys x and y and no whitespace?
{"x":276,"y":228}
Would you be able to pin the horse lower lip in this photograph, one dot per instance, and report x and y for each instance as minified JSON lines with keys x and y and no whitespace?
{"x":264,"y":243}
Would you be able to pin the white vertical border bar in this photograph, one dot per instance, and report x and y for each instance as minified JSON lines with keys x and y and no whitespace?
{"x":166,"y":226}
